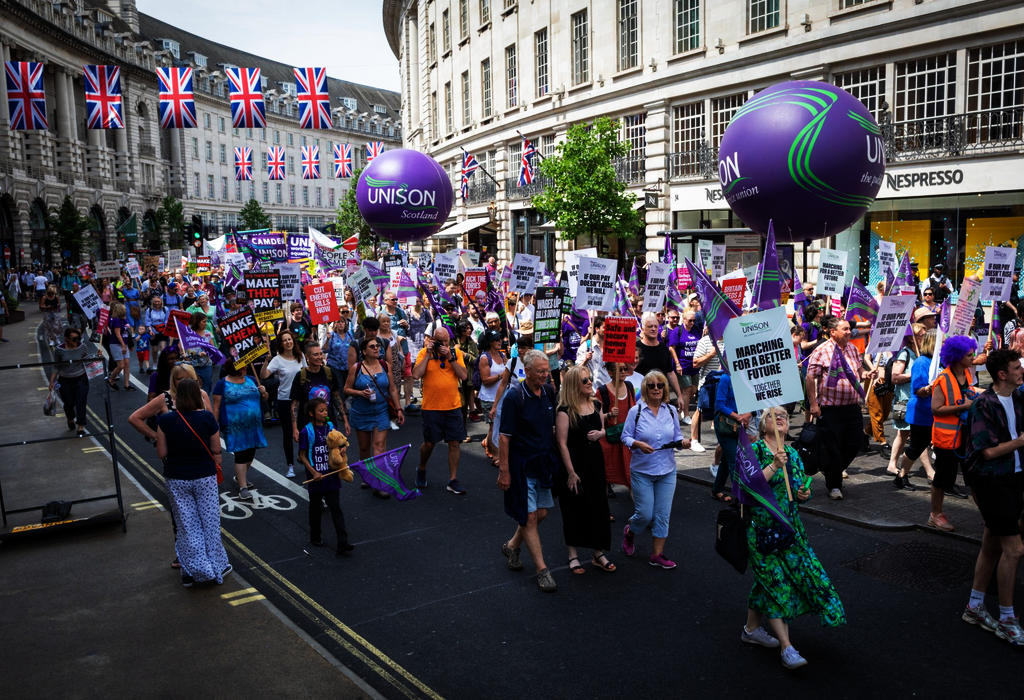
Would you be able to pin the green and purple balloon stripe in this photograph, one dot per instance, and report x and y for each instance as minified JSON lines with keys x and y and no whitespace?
{"x":732,"y":185}
{"x":805,"y":177}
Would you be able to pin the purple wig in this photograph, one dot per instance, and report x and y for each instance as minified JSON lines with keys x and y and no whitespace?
{"x":955,"y":348}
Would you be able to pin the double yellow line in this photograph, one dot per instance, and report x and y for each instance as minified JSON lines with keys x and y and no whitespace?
{"x":352,"y":642}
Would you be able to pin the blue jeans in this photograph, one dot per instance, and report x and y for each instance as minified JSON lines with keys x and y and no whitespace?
{"x":652,"y":501}
{"x":205,"y":375}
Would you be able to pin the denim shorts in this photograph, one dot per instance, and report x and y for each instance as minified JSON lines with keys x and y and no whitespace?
{"x":537,"y":496}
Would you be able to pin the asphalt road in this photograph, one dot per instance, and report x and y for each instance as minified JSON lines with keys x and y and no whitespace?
{"x":426,"y":607}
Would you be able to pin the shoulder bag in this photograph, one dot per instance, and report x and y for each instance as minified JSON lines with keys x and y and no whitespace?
{"x":731,"y":537}
{"x":220,"y":472}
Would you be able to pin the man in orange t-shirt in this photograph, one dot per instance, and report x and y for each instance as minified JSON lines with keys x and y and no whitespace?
{"x":442,"y":367}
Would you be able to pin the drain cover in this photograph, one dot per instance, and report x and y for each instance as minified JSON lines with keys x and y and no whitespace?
{"x":918,"y":566}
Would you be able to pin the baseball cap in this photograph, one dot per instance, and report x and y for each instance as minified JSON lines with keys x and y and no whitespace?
{"x":922,"y":313}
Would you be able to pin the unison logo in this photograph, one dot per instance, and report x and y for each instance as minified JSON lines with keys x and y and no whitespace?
{"x":753,"y":326}
{"x":391,"y":192}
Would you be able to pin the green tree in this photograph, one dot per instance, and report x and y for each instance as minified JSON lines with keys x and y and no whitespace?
{"x":253,"y":217}
{"x":69,"y":228}
{"x":170,"y":217}
{"x":584,"y":197}
{"x":351,"y":223}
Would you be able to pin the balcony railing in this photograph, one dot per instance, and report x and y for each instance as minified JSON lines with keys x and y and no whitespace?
{"x":482,"y":191}
{"x":630,"y":169}
{"x":514,"y":191}
{"x":147,"y":150}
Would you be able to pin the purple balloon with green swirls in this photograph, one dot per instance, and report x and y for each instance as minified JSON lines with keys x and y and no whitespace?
{"x":404,"y":195}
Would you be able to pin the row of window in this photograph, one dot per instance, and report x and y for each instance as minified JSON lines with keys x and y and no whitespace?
{"x":225,"y":192}
{"x":371,"y":126}
{"x":213,"y":220}
{"x":224,"y":157}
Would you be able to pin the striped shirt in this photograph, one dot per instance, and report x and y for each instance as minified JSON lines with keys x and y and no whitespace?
{"x":843,"y":393}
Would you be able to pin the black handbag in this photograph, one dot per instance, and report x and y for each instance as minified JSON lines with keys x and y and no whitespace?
{"x":772,"y":539}
{"x":731,"y":538}
{"x":808,"y":446}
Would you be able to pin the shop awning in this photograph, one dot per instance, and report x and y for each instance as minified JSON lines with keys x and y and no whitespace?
{"x":461,"y":227}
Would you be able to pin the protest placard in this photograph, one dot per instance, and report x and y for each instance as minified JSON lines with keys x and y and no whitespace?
{"x":705,"y":250}
{"x":204,"y":264}
{"x":269,"y":246}
{"x":242,"y":334}
{"x":291,"y":281}
{"x":735,"y":289}
{"x":683,"y":279}
{"x":524,"y":273}
{"x":236,"y":259}
{"x":572,"y":265}
{"x":547,"y":317}
{"x":446,"y":266}
{"x":595,"y":285}
{"x":392,"y":261}
{"x":171,"y":330}
{"x":476,"y":284}
{"x":192,"y":268}
{"x":619,"y":339}
{"x":718,"y":260}
{"x":963,"y":312}
{"x":263,"y":289}
{"x":133,"y":269}
{"x":657,"y":286}
{"x":108,"y":268}
{"x":831,"y":272}
{"x":891,"y":323}
{"x":762,"y":360}
{"x":361,"y":284}
{"x":887,"y":257}
{"x":88,"y":300}
{"x":173,"y":260}
{"x":300,"y":247}
{"x":339,"y":290}
{"x":322,"y":304}
{"x":394,"y":278}
{"x":423,"y":261}
{"x":995,"y":285}
{"x":102,"y":318}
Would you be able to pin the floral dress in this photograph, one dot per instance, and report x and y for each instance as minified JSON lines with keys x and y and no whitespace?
{"x":790,"y":582}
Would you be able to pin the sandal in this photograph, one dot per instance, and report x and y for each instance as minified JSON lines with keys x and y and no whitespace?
{"x":175,"y":564}
{"x":722,"y":496}
{"x":578,"y":569}
{"x":602,"y":563}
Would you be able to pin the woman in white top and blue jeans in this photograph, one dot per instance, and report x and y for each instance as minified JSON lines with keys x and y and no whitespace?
{"x":650,"y":424}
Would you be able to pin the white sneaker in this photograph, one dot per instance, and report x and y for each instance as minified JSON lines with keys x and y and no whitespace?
{"x":687,"y":420}
{"x":714,"y":470}
{"x":291,"y":471}
{"x":791,"y":658}
{"x":835,"y":495}
{"x":394,"y":425}
{"x":695,"y":446}
{"x":760,"y":637}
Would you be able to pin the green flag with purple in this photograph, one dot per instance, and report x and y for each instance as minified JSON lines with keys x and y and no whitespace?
{"x":718,"y":310}
{"x":837,"y":367}
{"x":384,"y":473}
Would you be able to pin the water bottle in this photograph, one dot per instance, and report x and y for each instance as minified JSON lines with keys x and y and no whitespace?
{"x":373,"y":392}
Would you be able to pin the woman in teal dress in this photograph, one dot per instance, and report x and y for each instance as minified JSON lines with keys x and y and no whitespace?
{"x":789,"y":581}
{"x":237,"y":405}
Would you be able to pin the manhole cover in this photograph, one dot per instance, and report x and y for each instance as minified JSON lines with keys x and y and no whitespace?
{"x":918,"y":566}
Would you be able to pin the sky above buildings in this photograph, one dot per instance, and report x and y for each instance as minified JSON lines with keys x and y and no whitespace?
{"x":346,"y":36}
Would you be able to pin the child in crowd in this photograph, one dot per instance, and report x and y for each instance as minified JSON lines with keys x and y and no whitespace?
{"x":323,"y":488}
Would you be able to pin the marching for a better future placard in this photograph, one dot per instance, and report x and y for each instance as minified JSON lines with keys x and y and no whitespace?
{"x":831,"y":272}
{"x":762,"y":362}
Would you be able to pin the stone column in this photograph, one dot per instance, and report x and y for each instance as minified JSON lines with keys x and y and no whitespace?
{"x":5,"y":117}
{"x":659,"y":140}
{"x":506,"y":248}
{"x":74,"y":145}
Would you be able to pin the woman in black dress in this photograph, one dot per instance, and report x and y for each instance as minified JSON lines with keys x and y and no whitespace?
{"x":583,"y":496}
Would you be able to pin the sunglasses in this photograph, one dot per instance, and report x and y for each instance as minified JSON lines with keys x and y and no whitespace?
{"x":372,"y":345}
{"x":587,"y":380}
{"x":656,"y":385}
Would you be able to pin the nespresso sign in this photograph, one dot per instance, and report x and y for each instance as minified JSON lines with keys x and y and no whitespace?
{"x":924,"y":178}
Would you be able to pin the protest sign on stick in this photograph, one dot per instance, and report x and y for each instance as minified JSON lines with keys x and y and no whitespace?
{"x":524,"y":273}
{"x":243,"y":337}
{"x":762,"y":360}
{"x":263,"y":289}
{"x":735,"y":289}
{"x":547,"y":318}
{"x":88,"y":300}
{"x":657,"y":286}
{"x":361,"y":284}
{"x":718,"y":260}
{"x":891,"y":323}
{"x":595,"y":290}
{"x":322,"y":303}
{"x":476,"y":284}
{"x":963,"y":312}
{"x":887,"y":257}
{"x":446,"y":266}
{"x":619,"y":339}
{"x":995,"y":285}
{"x":572,"y":265}
{"x":108,"y":268}
{"x":831,"y":272}
{"x":170,"y":328}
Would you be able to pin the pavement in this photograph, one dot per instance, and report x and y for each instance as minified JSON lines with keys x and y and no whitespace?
{"x":94,"y":610}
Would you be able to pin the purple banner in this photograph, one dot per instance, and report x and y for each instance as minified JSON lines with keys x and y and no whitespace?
{"x":384,"y":473}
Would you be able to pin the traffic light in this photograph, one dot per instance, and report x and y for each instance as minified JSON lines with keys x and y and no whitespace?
{"x":196,"y":237}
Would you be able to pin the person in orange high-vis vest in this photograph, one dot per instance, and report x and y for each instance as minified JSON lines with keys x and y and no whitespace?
{"x":952,"y":396}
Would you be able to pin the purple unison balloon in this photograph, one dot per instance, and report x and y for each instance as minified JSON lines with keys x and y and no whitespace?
{"x":806,"y":155}
{"x":404,"y":195}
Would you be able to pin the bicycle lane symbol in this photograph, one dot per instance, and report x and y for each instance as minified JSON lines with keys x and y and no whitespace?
{"x":235,"y":509}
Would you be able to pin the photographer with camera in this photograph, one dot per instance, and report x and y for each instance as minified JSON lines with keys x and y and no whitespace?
{"x":442,"y":367}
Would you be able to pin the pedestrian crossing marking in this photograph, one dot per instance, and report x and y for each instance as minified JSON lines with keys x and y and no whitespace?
{"x":235,"y":594}
{"x":243,"y":601}
{"x":87,"y":450}
{"x":149,"y":507}
{"x":144,"y":503}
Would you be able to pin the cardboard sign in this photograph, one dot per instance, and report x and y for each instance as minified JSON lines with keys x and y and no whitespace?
{"x":891,"y":323}
{"x":361,"y":284}
{"x":102,"y":318}
{"x":446,"y":266}
{"x":204,"y":263}
{"x":291,"y":281}
{"x":476,"y":284}
{"x":887,"y":258}
{"x":735,"y":289}
{"x":831,"y":272}
{"x":300,"y":247}
{"x":657,"y":286}
{"x":108,"y":268}
{"x":263,"y":289}
{"x":572,"y":264}
{"x":89,"y":301}
{"x":322,"y":303}
{"x":524,"y":273}
{"x":995,"y":286}
{"x":718,"y":260}
{"x":595,"y":286}
{"x":762,"y":360}
{"x":173,"y":260}
{"x":963,"y":312}
{"x":547,"y":316}
{"x":171,"y":330}
{"x":242,"y":334}
{"x":619,"y":339}
{"x":133,"y":269}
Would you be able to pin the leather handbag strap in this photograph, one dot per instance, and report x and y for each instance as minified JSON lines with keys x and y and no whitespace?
{"x":205,"y":446}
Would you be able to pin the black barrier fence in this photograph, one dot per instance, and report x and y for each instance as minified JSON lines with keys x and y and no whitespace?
{"x":46,"y":508}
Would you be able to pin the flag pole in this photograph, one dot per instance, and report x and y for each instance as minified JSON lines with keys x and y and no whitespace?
{"x":485,"y":170}
{"x":535,"y":150}
{"x":785,"y":471}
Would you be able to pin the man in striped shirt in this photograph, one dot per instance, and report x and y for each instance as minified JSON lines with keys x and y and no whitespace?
{"x":835,"y":401}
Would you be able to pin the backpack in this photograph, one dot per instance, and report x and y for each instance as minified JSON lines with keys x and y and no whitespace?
{"x":709,"y":392}
{"x":886,"y":386}
{"x":477,"y":382}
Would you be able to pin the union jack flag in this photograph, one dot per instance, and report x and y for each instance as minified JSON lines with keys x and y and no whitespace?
{"x":275,"y":162}
{"x":342,"y":160}
{"x":177,"y":104}
{"x":469,"y":166}
{"x":526,"y":171}
{"x":373,"y":149}
{"x":103,"y":97}
{"x":243,"y":163}
{"x":314,"y":101}
{"x":246,"y":92}
{"x":26,"y":99}
{"x":310,"y":162}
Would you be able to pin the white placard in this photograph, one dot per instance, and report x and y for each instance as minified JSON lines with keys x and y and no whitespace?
{"x":291,"y":281}
{"x":596,"y":284}
{"x":831,"y":272}
{"x":524,"y":273}
{"x":174,"y":260}
{"x":133,"y":269}
{"x":657,"y":285}
{"x":108,"y":268}
{"x":446,"y":266}
{"x":89,"y":300}
{"x":891,"y":323}
{"x":762,"y":361}
{"x":999,"y":261}
{"x":572,"y":265}
{"x":423,"y":261}
{"x":887,"y":257}
{"x":236,"y":259}
{"x":339,"y":290}
{"x":361,"y":284}
{"x":963,"y":312}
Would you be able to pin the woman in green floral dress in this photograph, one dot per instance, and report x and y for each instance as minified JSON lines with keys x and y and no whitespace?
{"x":790,"y":581}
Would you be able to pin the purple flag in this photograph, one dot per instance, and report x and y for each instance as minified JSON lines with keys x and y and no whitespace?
{"x":383,"y":472}
{"x":839,"y":367}
{"x":945,"y":316}
{"x":233,"y":277}
{"x":889,"y":279}
{"x":767,"y":292}
{"x":634,"y":280}
{"x":439,"y":313}
{"x":860,"y":303}
{"x":753,"y":487}
{"x":190,"y":340}
{"x":800,"y":300}
{"x":406,"y":287}
{"x":622,"y":305}
{"x":377,"y":274}
{"x":718,"y":310}
{"x":904,"y":277}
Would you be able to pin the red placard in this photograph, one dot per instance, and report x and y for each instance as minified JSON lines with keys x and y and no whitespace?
{"x":323,"y":305}
{"x":619,"y":339}
{"x":683,"y":280}
{"x":735,"y":289}
{"x":102,"y":319}
{"x":475,"y":283}
{"x":170,"y":330}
